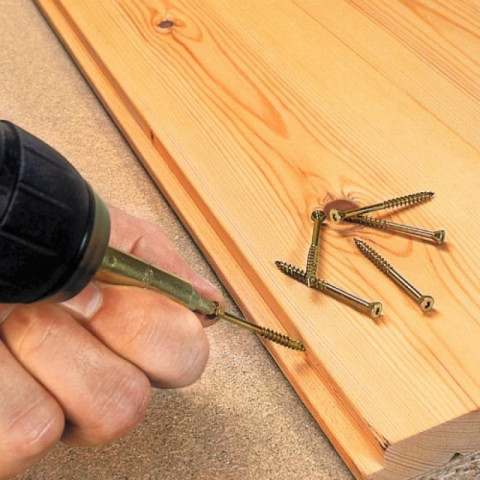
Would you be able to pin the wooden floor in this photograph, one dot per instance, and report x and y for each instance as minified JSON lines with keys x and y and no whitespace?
{"x":250,"y":116}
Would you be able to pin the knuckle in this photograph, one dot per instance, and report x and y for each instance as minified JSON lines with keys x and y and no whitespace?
{"x":33,"y":430}
{"x":120,"y":407}
{"x":39,"y":327}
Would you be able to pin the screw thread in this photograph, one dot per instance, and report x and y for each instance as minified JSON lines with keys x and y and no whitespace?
{"x":282,"y":339}
{"x":368,"y":221}
{"x":312,"y":261}
{"x":408,"y":199}
{"x":319,"y":284}
{"x":265,"y":332}
{"x":373,"y":256}
{"x":292,"y":271}
{"x":300,"y":275}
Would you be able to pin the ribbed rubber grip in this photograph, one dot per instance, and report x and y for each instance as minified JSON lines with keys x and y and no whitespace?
{"x":51,"y":222}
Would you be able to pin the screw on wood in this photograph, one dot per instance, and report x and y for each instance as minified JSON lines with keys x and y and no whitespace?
{"x":374,"y":309}
{"x":338,"y":215}
{"x":437,"y":236}
{"x":267,"y":333}
{"x":426,"y":302}
{"x":312,"y":259}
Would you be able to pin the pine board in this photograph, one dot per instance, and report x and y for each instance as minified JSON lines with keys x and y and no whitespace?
{"x":249,"y":116}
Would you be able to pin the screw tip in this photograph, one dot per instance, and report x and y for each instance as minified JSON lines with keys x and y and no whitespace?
{"x":359,"y":243}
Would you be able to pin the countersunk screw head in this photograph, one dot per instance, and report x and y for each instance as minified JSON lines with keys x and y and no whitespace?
{"x":376,"y":309}
{"x":335,"y":215}
{"x":426,"y":302}
{"x":318,"y":214}
{"x":439,"y":237}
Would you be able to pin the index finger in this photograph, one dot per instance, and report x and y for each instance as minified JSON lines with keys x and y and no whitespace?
{"x":146,"y":241}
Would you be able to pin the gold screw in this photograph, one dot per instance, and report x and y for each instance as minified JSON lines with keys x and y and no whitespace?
{"x":312,"y":259}
{"x":267,"y":333}
{"x":426,"y":302}
{"x":374,"y":309}
{"x":437,"y":236}
{"x":338,"y":215}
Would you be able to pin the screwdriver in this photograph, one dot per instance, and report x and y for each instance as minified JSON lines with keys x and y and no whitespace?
{"x":54,"y":233}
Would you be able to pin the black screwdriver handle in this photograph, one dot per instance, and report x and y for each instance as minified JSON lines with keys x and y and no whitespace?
{"x":54,"y":229}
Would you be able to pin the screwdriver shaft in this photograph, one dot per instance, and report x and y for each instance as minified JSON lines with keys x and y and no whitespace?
{"x":124,"y":269}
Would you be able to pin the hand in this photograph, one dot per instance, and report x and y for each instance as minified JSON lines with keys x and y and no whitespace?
{"x":81,"y":371}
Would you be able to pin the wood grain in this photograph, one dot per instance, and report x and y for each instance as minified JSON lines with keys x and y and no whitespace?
{"x":249,"y":116}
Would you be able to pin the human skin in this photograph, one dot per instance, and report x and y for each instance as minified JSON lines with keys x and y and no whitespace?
{"x":82,"y":371}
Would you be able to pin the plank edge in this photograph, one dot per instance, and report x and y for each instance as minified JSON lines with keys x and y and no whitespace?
{"x":432,"y":448}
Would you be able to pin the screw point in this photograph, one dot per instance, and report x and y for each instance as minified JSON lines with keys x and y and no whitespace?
{"x":358,"y":242}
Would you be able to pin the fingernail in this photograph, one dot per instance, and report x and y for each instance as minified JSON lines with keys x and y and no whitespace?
{"x":86,"y":304}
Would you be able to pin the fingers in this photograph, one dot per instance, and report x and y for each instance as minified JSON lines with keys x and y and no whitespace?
{"x":102,"y":395}
{"x":96,"y":377}
{"x":31,"y":421}
{"x":144,"y":240}
{"x":162,"y":338}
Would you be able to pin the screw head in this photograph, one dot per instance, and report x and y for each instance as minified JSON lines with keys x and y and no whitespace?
{"x":426,"y":302}
{"x":439,"y":237}
{"x":335,"y":215}
{"x":318,"y":214}
{"x":376,"y":309}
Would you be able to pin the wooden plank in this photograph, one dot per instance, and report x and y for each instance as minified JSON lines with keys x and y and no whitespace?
{"x":249,"y":117}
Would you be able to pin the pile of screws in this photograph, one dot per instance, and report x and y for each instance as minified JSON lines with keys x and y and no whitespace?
{"x":308,"y":276}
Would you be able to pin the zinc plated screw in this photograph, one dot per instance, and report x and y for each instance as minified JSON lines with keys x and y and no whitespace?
{"x":426,"y":302}
{"x":338,"y":215}
{"x":374,"y":309}
{"x":437,"y":236}
{"x":312,"y":259}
